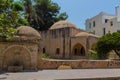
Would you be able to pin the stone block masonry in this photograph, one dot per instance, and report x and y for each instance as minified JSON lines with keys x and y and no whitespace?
{"x":79,"y":64}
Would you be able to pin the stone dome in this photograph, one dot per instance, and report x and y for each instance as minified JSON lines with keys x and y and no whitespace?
{"x":85,"y":34}
{"x":28,"y":32}
{"x":62,"y":24}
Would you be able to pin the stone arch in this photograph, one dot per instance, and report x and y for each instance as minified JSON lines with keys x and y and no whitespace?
{"x":78,"y":50}
{"x":16,"y":55}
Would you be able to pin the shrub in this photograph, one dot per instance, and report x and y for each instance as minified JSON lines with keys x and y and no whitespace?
{"x":45,"y":56}
{"x":93,"y":54}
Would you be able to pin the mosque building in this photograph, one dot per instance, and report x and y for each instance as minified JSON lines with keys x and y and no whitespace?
{"x":63,"y":41}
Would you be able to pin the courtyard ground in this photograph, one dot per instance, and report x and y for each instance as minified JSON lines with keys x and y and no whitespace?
{"x":81,"y":74}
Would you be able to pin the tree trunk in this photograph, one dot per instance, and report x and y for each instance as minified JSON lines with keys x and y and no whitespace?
{"x":117,"y":52}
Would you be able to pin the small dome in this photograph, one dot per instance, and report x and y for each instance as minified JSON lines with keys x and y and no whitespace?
{"x":85,"y":34}
{"x":28,"y":32}
{"x":62,"y":24}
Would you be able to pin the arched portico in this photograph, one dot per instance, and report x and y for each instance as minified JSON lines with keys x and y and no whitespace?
{"x":16,"y":56}
{"x":78,"y":50}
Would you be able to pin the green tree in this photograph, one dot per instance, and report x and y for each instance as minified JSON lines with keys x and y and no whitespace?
{"x":43,"y":13}
{"x":30,"y":14}
{"x":107,"y":43}
{"x":10,"y":18}
{"x":93,"y":54}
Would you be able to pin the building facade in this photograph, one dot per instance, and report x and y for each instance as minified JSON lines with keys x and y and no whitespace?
{"x":65,"y":40}
{"x":62,"y":41}
{"x":22,"y":52}
{"x":103,"y":23}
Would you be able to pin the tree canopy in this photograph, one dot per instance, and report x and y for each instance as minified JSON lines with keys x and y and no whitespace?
{"x":10,"y":17}
{"x":43,"y":13}
{"x":40,"y":15}
{"x":108,"y":43}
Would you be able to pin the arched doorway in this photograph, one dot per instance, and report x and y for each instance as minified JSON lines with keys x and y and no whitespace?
{"x":16,"y":56}
{"x":78,"y":50}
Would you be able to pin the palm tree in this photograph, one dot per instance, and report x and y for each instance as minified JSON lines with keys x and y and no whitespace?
{"x":30,"y":13}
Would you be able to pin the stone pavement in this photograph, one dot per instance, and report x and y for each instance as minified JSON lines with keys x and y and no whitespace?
{"x":73,"y":74}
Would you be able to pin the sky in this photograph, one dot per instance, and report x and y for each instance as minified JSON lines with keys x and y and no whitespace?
{"x":80,"y":10}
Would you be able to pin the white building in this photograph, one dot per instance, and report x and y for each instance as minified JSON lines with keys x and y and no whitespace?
{"x":103,"y":23}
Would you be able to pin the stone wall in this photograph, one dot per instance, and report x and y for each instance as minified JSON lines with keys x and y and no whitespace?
{"x":20,"y":53}
{"x":79,"y":64}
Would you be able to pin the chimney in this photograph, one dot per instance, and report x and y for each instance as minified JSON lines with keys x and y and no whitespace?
{"x":117,"y":10}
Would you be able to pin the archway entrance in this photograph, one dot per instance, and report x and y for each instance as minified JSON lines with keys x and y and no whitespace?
{"x":16,"y":56}
{"x":78,"y":50}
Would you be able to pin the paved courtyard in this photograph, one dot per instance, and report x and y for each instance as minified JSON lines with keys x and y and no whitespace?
{"x":61,"y":74}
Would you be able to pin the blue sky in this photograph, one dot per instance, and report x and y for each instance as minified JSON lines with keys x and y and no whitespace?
{"x":79,"y":10}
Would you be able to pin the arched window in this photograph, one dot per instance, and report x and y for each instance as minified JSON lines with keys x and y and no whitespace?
{"x":58,"y":51}
{"x":82,"y":52}
{"x":44,"y":51}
